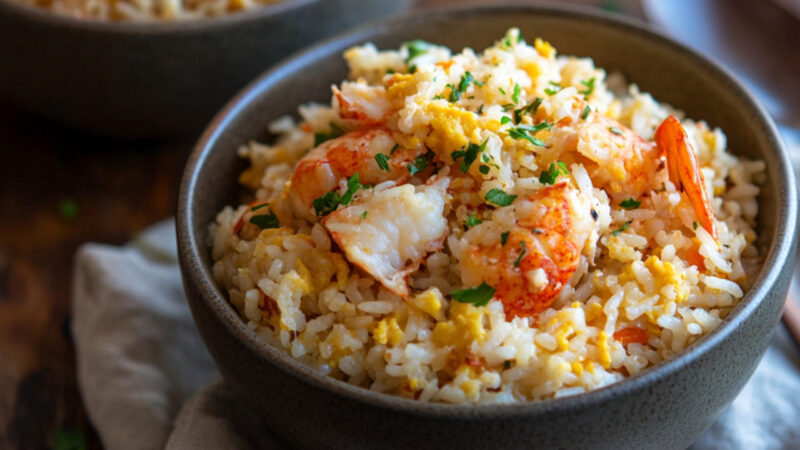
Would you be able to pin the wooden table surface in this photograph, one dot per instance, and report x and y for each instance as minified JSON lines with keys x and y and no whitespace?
{"x":61,"y":188}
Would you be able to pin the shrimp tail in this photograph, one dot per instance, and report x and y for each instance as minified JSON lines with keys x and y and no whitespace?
{"x":684,"y":170}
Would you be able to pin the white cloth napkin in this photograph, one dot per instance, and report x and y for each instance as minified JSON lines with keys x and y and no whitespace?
{"x":140,"y":358}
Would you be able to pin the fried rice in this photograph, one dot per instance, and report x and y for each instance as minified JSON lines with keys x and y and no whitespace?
{"x":494,"y":227}
{"x":146,"y":10}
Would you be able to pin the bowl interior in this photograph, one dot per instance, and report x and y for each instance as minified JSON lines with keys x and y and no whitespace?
{"x":669,"y":71}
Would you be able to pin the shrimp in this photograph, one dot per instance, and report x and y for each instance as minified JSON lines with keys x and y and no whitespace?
{"x":361,"y":105}
{"x":530,"y":265}
{"x":684,"y":170}
{"x":626,"y":165}
{"x":321,"y":170}
{"x":617,"y":158}
{"x":390,"y":232}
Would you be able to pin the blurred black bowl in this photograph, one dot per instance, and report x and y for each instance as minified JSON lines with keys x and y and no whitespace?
{"x":153,"y":80}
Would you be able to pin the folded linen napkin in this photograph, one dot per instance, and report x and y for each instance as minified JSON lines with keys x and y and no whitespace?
{"x":140,"y":358}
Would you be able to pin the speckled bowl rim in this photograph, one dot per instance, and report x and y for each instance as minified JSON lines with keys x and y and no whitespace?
{"x":35,"y":14}
{"x":780,"y":249}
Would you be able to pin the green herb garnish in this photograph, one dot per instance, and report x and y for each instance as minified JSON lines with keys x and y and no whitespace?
{"x":695,"y":225}
{"x":589,"y":87}
{"x":466,"y":79}
{"x":470,"y":155}
{"x":420,"y":163}
{"x":521,"y":255}
{"x":455,"y":94}
{"x":502,"y":91}
{"x":615,"y":130}
{"x":335,"y":132}
{"x":550,"y":175}
{"x":554,"y":87}
{"x":499,"y":198}
{"x":505,"y":119}
{"x":480,"y":110}
{"x":622,"y":228}
{"x":585,"y":112}
{"x":630,"y":203}
{"x":383,"y":161}
{"x":484,"y":169}
{"x":515,"y":93}
{"x":478,"y":296}
{"x":415,"y":48}
{"x":471,"y":220}
{"x":504,"y":237}
{"x":265,"y":221}
{"x":364,"y":215}
{"x":329,"y":202}
{"x":391,"y":152}
{"x":412,"y":69}
{"x":531,"y":108}
{"x":259,"y":206}
{"x":522,"y":132}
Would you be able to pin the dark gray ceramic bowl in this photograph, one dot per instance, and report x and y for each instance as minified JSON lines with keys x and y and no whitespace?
{"x":665,"y":407}
{"x":156,"y":79}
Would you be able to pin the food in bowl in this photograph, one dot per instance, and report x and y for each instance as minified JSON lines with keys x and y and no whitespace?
{"x":497,"y":227}
{"x":146,"y":10}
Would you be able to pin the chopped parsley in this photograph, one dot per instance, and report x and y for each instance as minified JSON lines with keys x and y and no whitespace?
{"x":624,"y":227}
{"x":484,"y":169}
{"x":420,"y":163}
{"x":466,"y":79}
{"x":264,"y":221}
{"x":412,"y":69}
{"x":585,"y":112}
{"x":455,"y":94}
{"x":469,"y":155}
{"x":335,"y":132}
{"x":505,"y":119}
{"x":504,"y":237}
{"x":364,"y":214}
{"x":522,"y":132}
{"x":383,"y":161}
{"x":630,"y":203}
{"x":329,"y":202}
{"x":259,"y":206}
{"x":415,"y":48}
{"x":508,"y":106}
{"x":515,"y":93}
{"x":485,"y":158}
{"x":589,"y":87}
{"x":554,"y":87}
{"x":480,"y":110}
{"x":478,"y":296}
{"x":550,"y":175}
{"x":471,"y":220}
{"x":615,"y":130}
{"x":391,"y":152}
{"x":502,"y":91}
{"x":499,"y":198}
{"x":695,"y":225}
{"x":531,"y":108}
{"x":521,"y":255}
